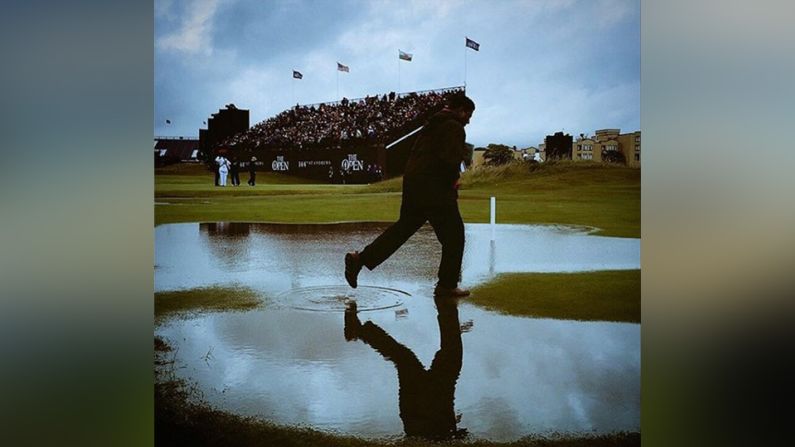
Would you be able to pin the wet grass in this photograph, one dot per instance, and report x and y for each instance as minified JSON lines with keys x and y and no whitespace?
{"x":209,"y":299}
{"x":612,"y":295}
{"x":182,"y":418}
{"x":576,"y":193}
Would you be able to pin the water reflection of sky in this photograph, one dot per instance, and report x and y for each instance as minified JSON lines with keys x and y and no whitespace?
{"x":519,"y":376}
{"x":275,"y":258}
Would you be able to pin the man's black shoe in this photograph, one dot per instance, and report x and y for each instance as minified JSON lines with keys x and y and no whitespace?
{"x":456,"y":292}
{"x":353,"y":265}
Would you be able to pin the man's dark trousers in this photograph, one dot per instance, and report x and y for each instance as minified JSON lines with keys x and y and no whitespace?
{"x":424,"y":200}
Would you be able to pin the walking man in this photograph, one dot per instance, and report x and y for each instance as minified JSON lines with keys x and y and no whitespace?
{"x":430,"y":194}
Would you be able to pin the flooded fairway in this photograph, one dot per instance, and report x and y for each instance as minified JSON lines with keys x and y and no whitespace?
{"x":404,"y":363}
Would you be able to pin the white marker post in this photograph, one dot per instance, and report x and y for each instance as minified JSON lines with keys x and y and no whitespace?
{"x":493,"y":215}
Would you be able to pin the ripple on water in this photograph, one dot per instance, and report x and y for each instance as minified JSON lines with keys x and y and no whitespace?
{"x":333,"y":298}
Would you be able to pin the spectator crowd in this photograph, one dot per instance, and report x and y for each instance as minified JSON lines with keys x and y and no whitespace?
{"x":373,"y":119}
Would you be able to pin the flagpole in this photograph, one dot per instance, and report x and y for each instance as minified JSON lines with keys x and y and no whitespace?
{"x":465,"y":64}
{"x":398,"y":90}
{"x":338,"y":83}
{"x":292,"y":86}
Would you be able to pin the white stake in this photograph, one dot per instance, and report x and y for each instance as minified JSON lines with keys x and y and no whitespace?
{"x":493,"y":215}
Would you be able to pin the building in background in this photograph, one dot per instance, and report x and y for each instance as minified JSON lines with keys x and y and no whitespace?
{"x":532,"y":153}
{"x":221,"y":125}
{"x":629,"y":143}
{"x":609,"y":145}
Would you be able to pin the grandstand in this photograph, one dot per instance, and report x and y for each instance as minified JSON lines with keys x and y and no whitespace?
{"x":170,"y":150}
{"x":375,"y":132}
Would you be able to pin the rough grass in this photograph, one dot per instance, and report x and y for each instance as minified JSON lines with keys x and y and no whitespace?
{"x":206,"y":299}
{"x":182,"y":418}
{"x":577,"y":193}
{"x":580,"y":193}
{"x":550,"y":173}
{"x":612,"y":295}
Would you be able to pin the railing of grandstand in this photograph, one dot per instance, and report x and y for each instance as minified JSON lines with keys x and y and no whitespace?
{"x":399,"y":95}
{"x":177,"y":138}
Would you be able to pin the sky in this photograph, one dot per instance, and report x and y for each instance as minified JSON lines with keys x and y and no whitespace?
{"x":543,"y":66}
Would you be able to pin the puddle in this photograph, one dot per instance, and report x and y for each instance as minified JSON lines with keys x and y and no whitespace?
{"x":413,"y":366}
{"x":334,"y":298}
{"x":275,"y":258}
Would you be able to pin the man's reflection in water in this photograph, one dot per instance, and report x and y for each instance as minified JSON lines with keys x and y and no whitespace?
{"x":425,"y":396}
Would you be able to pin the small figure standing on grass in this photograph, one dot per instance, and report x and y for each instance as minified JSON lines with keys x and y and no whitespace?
{"x":234,"y":170}
{"x":430,"y":194}
{"x":223,"y":169}
{"x":252,"y":171}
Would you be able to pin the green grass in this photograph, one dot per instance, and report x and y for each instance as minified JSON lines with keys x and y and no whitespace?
{"x":576,"y":193}
{"x":612,"y":295}
{"x":209,"y":299}
{"x":194,"y":180}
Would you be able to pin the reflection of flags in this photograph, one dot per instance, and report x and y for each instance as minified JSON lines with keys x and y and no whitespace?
{"x":297,"y":75}
{"x":344,"y":68}
{"x":404,"y":56}
{"x":168,"y":121}
{"x":472,"y":44}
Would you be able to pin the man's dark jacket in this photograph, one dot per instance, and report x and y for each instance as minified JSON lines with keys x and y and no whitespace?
{"x":438,"y":152}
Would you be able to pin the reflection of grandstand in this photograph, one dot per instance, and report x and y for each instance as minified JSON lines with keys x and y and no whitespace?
{"x":352,"y":135}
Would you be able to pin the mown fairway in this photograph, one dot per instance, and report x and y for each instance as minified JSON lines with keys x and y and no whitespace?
{"x":578,"y":193}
